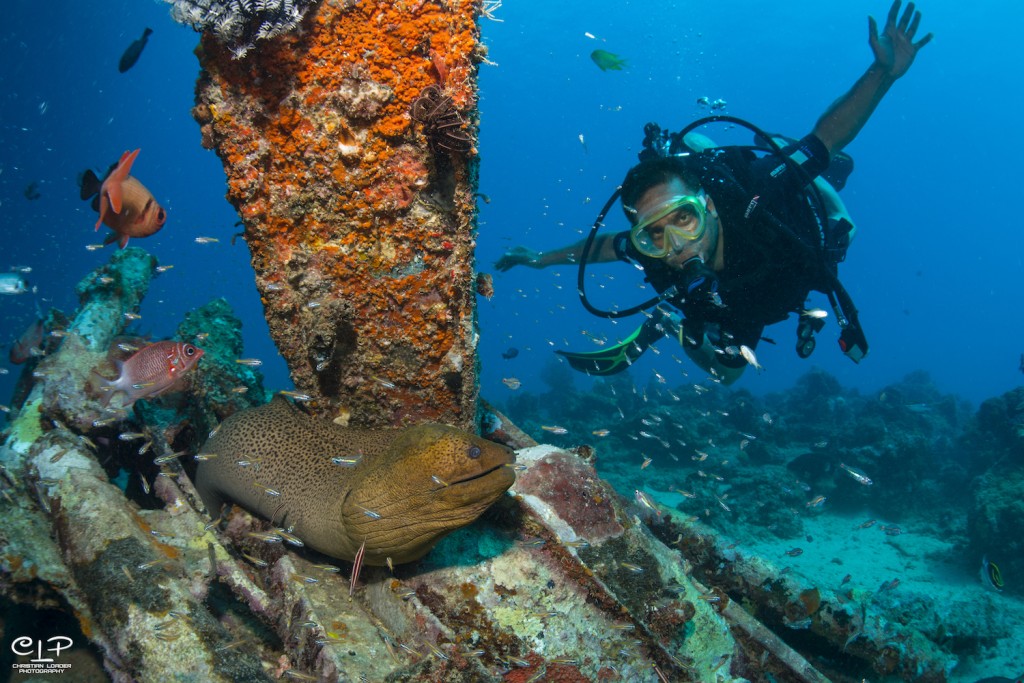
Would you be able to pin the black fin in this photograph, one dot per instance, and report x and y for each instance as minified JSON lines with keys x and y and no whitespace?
{"x":89,"y":184}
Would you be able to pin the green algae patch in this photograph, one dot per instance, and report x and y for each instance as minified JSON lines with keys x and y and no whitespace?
{"x":26,"y":428}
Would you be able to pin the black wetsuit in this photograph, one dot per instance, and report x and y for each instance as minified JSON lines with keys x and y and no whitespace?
{"x":771,"y":251}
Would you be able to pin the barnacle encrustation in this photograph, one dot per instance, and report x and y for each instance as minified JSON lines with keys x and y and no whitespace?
{"x":442,"y":124}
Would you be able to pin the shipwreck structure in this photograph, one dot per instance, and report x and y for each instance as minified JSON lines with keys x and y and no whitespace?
{"x":156,"y":587}
{"x":348,"y":145}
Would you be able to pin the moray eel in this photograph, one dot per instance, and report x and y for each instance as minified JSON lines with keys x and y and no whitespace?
{"x":408,"y":488}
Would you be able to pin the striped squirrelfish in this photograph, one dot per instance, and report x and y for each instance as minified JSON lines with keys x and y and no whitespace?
{"x":151,"y":371}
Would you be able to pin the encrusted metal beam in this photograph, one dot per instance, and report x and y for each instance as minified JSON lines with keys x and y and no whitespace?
{"x":348,"y":147}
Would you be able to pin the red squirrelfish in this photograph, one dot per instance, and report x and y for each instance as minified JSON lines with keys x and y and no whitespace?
{"x":152,"y":370}
{"x":32,"y":338}
{"x":124,"y":204}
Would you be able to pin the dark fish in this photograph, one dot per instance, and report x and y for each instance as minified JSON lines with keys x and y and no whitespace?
{"x":131,"y":55}
{"x":31,"y":338}
{"x":32,"y":191}
{"x":607,"y":61}
{"x":511,"y":353}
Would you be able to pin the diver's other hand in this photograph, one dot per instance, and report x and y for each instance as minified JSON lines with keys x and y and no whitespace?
{"x":895,"y":48}
{"x":518,"y":256}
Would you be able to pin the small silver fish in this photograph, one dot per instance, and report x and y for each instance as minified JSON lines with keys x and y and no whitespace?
{"x":370,"y":513}
{"x":265,"y":537}
{"x":748,"y":355}
{"x":295,"y":395}
{"x":645,"y":501}
{"x":857,"y":475}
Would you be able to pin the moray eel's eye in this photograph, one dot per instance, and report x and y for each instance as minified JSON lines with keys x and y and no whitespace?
{"x":473,"y":452}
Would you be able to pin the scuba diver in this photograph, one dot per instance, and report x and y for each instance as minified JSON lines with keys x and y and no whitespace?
{"x":735,"y":238}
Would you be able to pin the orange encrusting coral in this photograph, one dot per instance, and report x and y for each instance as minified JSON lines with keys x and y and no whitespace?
{"x":361,"y":236}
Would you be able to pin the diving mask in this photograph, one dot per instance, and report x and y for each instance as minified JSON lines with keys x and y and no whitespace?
{"x":687,"y":219}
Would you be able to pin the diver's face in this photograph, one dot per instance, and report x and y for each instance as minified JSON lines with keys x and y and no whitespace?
{"x":684,"y":220}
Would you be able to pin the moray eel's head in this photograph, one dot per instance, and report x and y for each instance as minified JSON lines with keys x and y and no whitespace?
{"x":435,"y":479}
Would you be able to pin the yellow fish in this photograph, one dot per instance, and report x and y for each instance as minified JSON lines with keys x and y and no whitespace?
{"x":991,"y":577}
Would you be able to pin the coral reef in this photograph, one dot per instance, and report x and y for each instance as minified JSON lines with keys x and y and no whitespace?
{"x":995,"y":443}
{"x":359,"y":219}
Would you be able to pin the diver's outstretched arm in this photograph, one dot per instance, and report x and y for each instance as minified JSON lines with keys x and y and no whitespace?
{"x":603,"y":251}
{"x":894,"y":52}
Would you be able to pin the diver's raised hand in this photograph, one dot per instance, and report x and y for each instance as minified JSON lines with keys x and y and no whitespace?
{"x":518,"y":256}
{"x":895,"y":48}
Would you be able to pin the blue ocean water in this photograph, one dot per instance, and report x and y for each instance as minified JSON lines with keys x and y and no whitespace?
{"x":935,"y":267}
{"x":935,"y":263}
{"x":66,"y":108}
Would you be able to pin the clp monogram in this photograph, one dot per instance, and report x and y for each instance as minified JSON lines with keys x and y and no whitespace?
{"x":23,"y":647}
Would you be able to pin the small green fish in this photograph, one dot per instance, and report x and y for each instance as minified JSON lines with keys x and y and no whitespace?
{"x":607,"y":61}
